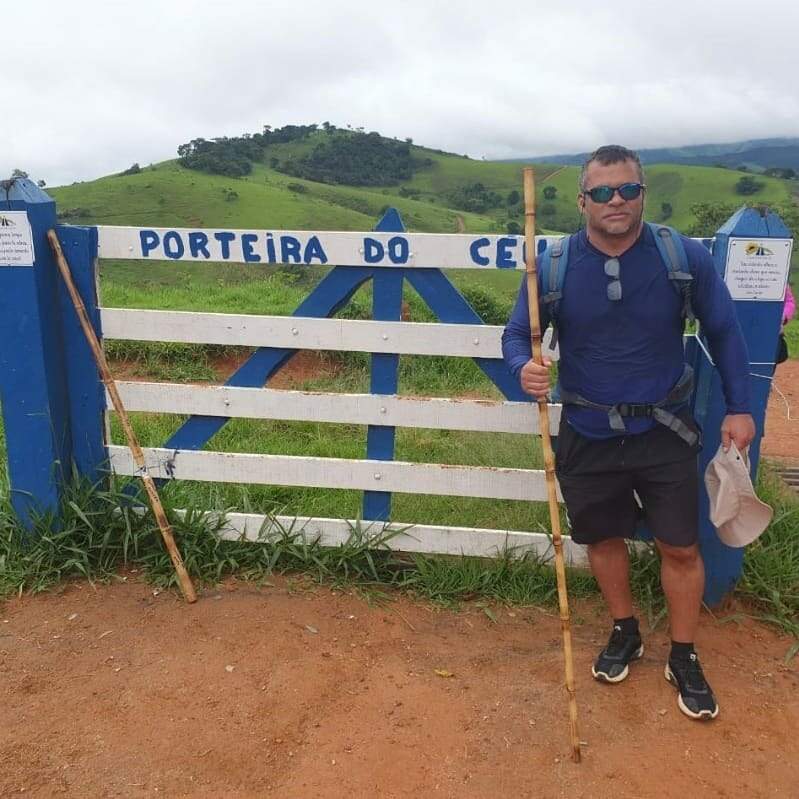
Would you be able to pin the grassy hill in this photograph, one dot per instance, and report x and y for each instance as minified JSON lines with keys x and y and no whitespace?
{"x":169,"y":194}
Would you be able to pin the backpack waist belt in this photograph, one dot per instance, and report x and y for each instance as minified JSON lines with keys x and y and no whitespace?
{"x":654,"y":410}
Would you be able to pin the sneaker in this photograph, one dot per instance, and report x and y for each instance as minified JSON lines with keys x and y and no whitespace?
{"x":612,"y":663}
{"x":695,"y":697}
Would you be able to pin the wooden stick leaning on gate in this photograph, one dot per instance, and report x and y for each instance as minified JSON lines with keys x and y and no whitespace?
{"x":138,"y":456}
{"x":549,"y":460}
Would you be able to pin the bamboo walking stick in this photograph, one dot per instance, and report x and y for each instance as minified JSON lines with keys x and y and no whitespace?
{"x":549,"y":460}
{"x":138,"y":456}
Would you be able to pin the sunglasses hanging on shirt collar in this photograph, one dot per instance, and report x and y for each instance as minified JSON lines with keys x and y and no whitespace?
{"x":613,"y":270}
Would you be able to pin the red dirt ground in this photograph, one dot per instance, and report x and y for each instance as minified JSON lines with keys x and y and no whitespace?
{"x":295,"y":691}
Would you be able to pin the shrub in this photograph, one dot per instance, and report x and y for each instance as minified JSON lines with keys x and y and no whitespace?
{"x":74,"y":213}
{"x":474,"y":197}
{"x":748,"y":185}
{"x":492,"y":309}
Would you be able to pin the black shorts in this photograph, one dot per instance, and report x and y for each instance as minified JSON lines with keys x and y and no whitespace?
{"x":599,"y":480}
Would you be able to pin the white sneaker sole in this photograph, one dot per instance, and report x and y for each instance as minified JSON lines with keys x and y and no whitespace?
{"x":602,"y":677}
{"x":703,"y":715}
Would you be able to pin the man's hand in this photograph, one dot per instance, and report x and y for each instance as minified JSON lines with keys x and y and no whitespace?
{"x":534,"y":378}
{"x":738,"y":428}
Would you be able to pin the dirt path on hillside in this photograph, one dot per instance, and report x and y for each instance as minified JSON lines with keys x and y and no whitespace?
{"x":553,"y":174}
{"x":781,"y":441}
{"x":294,"y":691}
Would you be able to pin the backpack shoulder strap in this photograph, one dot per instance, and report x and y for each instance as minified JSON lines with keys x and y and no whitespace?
{"x":554,"y":262}
{"x":673,"y":255}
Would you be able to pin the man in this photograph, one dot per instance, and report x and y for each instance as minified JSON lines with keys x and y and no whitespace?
{"x":620,"y":325}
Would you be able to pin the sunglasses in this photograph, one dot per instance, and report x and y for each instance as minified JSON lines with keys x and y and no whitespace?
{"x":612,"y":270}
{"x":604,"y":194}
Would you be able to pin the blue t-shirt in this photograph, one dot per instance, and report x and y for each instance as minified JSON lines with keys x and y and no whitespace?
{"x":631,"y":350}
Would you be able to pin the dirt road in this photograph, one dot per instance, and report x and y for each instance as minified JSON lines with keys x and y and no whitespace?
{"x":295,"y":691}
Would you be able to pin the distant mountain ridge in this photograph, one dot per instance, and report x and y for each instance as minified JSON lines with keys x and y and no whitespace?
{"x":754,"y":154}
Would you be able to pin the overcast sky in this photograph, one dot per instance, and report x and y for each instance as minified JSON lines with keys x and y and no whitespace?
{"x":90,"y":87}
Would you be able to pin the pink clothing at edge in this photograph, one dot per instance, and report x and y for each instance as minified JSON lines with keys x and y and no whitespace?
{"x":790,"y":305}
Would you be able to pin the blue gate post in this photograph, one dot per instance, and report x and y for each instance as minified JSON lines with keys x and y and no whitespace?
{"x":85,"y":391}
{"x":33,"y":383}
{"x":760,"y":322}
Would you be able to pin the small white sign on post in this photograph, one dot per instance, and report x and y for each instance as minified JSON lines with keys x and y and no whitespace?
{"x":757,"y":269}
{"x":16,"y":239}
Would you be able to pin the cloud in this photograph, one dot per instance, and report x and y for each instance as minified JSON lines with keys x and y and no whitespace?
{"x":93,"y":87}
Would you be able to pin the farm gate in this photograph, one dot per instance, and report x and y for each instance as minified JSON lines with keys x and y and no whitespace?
{"x":54,"y":403}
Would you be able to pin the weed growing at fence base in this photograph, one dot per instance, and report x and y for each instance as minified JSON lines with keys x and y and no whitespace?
{"x":102,"y":533}
{"x":770,"y":577}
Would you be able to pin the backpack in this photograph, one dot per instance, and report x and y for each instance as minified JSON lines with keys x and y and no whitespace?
{"x":555,"y":262}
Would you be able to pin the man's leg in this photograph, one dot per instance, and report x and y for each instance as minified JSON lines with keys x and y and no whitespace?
{"x":682,"y":575}
{"x":670,"y":495}
{"x":599,"y":501}
{"x":610,"y":565}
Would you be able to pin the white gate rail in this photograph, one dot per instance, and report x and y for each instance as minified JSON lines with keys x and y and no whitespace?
{"x":364,"y":475}
{"x":383,"y":409}
{"x":350,"y":335}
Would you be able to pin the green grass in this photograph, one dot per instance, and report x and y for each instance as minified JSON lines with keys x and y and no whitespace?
{"x":684,"y":186}
{"x":770,"y":578}
{"x":230,"y":288}
{"x":238,"y":288}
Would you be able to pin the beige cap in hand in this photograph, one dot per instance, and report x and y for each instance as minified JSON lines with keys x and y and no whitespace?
{"x":738,"y":515}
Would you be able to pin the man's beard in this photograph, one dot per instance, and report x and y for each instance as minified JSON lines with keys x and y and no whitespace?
{"x":635,"y":224}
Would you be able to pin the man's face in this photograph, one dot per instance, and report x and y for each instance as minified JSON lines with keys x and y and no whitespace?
{"x":618,"y":216}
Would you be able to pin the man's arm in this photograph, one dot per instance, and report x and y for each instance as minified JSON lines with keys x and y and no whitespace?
{"x":715,"y":310}
{"x":517,"y":347}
